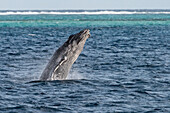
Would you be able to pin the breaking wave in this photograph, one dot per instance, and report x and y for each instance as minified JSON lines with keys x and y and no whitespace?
{"x":79,"y":12}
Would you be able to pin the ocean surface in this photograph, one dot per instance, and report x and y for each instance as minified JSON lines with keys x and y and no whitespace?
{"x":124,"y":67}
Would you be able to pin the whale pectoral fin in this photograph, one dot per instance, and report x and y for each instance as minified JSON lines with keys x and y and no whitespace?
{"x":64,"y":59}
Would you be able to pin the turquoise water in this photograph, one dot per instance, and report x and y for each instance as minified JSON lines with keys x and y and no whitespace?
{"x":124,"y":67}
{"x":83,"y":20}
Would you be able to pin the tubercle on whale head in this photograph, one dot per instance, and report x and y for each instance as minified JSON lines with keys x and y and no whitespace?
{"x":79,"y":37}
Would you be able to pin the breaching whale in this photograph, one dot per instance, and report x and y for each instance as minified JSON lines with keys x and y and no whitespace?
{"x":62,"y":60}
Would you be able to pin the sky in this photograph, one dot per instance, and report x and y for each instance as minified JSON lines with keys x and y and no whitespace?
{"x":82,"y":4}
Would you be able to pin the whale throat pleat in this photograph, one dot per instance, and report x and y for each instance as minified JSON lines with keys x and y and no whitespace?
{"x":59,"y":64}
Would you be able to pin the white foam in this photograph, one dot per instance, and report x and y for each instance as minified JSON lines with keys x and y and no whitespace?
{"x":78,"y":13}
{"x":75,"y":75}
{"x":31,"y":34}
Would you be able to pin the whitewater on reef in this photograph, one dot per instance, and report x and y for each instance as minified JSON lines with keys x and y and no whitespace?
{"x":92,"y":12}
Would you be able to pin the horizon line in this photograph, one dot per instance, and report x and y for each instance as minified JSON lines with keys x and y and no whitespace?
{"x":89,"y":9}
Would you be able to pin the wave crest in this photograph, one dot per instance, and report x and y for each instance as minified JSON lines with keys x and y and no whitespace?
{"x":78,"y":13}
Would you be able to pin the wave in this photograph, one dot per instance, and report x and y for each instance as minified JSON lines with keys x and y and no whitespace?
{"x":79,"y":13}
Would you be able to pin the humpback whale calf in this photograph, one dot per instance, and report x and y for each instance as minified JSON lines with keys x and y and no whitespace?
{"x":63,"y":58}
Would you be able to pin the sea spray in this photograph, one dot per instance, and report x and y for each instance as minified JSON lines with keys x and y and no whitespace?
{"x":75,"y":75}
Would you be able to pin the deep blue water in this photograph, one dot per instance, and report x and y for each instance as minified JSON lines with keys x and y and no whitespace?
{"x":124,"y":67}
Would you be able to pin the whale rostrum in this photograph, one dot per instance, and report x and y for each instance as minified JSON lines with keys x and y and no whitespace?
{"x":62,"y":60}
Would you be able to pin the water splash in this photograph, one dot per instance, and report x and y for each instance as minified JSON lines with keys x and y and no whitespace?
{"x":75,"y":75}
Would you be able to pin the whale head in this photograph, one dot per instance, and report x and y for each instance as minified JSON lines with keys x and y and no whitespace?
{"x":75,"y":44}
{"x":78,"y":39}
{"x":63,"y":59}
